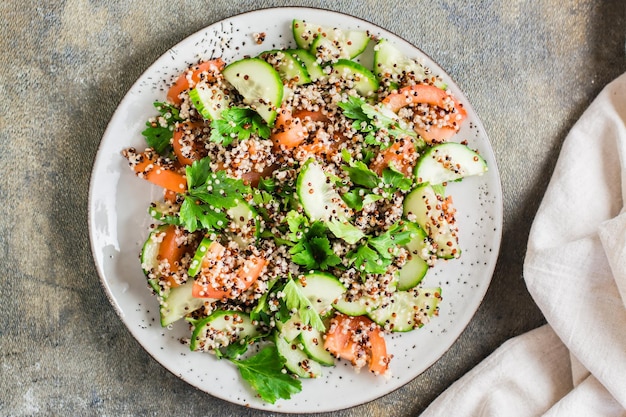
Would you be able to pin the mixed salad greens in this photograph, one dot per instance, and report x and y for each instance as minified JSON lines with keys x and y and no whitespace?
{"x":304,"y":202}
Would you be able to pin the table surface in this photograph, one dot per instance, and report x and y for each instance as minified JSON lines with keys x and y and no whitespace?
{"x":529,"y":69}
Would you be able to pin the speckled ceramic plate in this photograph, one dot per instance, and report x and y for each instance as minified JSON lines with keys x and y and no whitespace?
{"x":118,"y":223}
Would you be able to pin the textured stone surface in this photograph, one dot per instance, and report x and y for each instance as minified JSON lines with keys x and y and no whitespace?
{"x":530,"y":68}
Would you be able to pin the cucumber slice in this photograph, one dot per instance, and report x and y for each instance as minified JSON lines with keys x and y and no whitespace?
{"x":356,"y":76}
{"x":196,"y":263}
{"x":415,"y":268}
{"x":149,"y":261}
{"x":392,"y":67}
{"x":209,"y":100}
{"x":304,"y":33}
{"x":178,"y":303}
{"x":290,"y":329}
{"x":390,"y":64}
{"x":427,"y":208}
{"x":408,"y":310}
{"x":245,"y":226}
{"x":312,"y":66}
{"x":322,"y":290}
{"x":313,"y":345}
{"x":359,"y":306}
{"x":296,"y":360}
{"x":290,"y":68}
{"x":161,"y":210}
{"x":221,"y":329}
{"x":259,"y":84}
{"x":448,"y":162}
{"x":319,"y":198}
{"x":338,"y":43}
{"x":333,"y":44}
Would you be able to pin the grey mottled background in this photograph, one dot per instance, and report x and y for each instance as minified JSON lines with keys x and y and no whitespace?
{"x":530,"y":68}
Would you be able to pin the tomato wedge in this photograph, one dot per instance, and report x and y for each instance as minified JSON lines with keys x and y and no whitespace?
{"x":172,"y":250}
{"x":227,"y":284}
{"x":401,"y":154}
{"x":289,"y":131}
{"x":146,"y":165}
{"x":185,"y":153}
{"x":188,"y":79}
{"x":359,"y":340}
{"x":433,"y":96}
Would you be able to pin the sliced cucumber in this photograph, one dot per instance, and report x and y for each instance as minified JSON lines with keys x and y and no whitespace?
{"x":296,"y":360}
{"x":356,"y":76}
{"x":304,"y":33}
{"x":308,"y":59}
{"x":290,"y":329}
{"x":149,"y":261}
{"x":415,"y":268}
{"x":161,"y":210}
{"x":196,"y":263}
{"x":313,"y":345}
{"x":407,"y":310}
{"x":318,"y":196}
{"x":245,"y":226}
{"x":331,"y":42}
{"x":209,"y":100}
{"x":448,"y":162}
{"x":322,"y":289}
{"x":221,"y":329}
{"x":390,"y":64}
{"x":178,"y":303}
{"x":427,"y":208}
{"x":392,"y":67}
{"x":259,"y":84}
{"x":358,"y":306}
{"x":290,"y":68}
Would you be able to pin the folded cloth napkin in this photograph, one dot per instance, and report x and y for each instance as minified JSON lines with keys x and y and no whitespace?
{"x":575,"y":270}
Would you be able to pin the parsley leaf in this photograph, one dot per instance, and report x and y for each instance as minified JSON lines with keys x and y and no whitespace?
{"x":312,"y":248}
{"x":240,"y":123}
{"x":369,"y":119}
{"x":376,"y":254}
{"x":360,"y":174}
{"x":368,"y":260}
{"x":156,"y":134}
{"x":295,"y":300}
{"x":346,"y":231}
{"x":263,"y":372}
{"x":209,"y":194}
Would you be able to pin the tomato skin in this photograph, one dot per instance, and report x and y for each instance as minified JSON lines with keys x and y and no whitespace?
{"x":359,"y":340}
{"x":172,"y":251}
{"x":194,"y":153}
{"x":401,"y":154}
{"x":246,"y":275}
{"x":191,"y":76}
{"x":146,"y":165}
{"x":289,"y":131}
{"x":433,"y":96}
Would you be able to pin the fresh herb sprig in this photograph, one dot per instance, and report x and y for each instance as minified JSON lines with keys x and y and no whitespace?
{"x":375,"y":255}
{"x":366,"y":180}
{"x":295,"y":300}
{"x":369,"y":119}
{"x":312,"y":248}
{"x":158,"y":135}
{"x":209,"y":195}
{"x":264,"y":372}
{"x":238,"y":123}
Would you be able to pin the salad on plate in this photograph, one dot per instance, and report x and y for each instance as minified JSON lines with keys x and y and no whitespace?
{"x":304,"y":200}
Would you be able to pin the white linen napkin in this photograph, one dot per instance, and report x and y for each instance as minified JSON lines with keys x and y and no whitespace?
{"x":575,"y":270}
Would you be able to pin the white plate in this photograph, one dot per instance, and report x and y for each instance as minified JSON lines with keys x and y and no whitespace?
{"x":118,"y":223}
